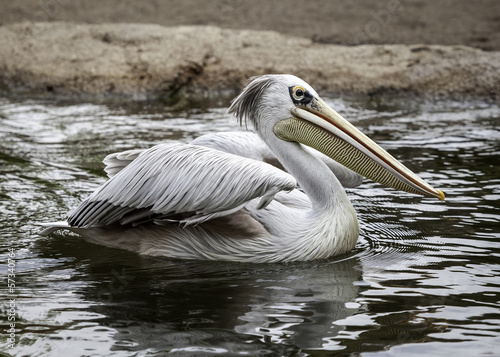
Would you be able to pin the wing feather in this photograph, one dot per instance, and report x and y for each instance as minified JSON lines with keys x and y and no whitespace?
{"x":117,"y":161}
{"x":172,"y":179}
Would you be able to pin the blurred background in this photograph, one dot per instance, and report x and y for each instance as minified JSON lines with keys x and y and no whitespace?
{"x":444,"y":22}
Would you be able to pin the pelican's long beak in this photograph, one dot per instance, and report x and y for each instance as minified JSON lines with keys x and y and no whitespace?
{"x":317,"y":125}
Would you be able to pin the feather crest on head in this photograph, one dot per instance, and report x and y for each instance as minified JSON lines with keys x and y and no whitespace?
{"x":245,"y":106}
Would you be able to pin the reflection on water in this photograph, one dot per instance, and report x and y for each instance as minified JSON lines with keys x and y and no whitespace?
{"x":423,"y":279}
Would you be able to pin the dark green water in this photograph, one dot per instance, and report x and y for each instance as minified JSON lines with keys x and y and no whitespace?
{"x":423,"y":279}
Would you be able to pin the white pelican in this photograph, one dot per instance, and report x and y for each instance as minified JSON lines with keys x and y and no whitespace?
{"x":194,"y":202}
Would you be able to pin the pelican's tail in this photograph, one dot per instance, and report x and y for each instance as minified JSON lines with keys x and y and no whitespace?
{"x":52,"y":227}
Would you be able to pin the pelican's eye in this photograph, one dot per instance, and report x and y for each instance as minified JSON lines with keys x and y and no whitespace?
{"x":300,"y":95}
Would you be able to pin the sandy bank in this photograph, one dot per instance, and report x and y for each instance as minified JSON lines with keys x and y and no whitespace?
{"x":150,"y":61}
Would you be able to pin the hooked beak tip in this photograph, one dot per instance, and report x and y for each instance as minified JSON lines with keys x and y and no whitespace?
{"x":441,"y":195}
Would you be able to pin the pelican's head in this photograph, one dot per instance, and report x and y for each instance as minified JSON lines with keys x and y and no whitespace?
{"x":291,"y":110}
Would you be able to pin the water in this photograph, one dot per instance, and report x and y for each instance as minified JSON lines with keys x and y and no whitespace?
{"x":423,"y":279}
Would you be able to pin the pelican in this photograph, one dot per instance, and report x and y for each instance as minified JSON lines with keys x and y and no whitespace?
{"x":194,"y":201}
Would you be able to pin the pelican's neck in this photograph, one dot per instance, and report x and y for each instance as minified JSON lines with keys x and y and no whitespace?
{"x":314,"y":177}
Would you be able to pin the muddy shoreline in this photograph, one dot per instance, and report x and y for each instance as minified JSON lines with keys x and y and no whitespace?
{"x":148,"y":61}
{"x":407,"y":22}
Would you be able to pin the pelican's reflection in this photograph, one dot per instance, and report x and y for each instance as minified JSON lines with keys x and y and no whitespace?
{"x":161,"y":304}
{"x":302,"y":303}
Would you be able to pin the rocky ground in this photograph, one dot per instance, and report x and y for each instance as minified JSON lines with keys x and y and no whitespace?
{"x":344,"y":22}
{"x":449,"y":50}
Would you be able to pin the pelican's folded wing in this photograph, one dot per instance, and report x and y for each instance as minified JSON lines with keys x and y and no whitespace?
{"x":177,"y":179}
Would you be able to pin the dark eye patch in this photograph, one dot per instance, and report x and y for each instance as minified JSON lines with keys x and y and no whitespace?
{"x":299,"y":95}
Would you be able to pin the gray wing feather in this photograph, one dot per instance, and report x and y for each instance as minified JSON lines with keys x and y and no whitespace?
{"x":117,"y":161}
{"x":242,"y":143}
{"x":172,"y":179}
